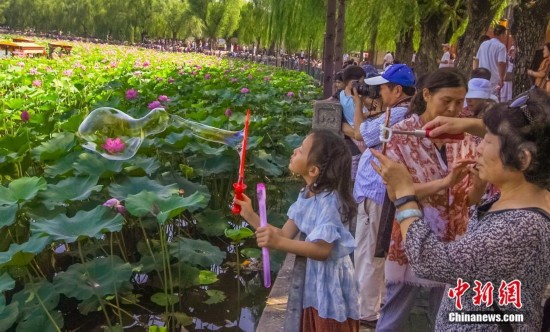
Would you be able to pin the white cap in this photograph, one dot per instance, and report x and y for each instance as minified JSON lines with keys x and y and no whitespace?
{"x":479,"y":88}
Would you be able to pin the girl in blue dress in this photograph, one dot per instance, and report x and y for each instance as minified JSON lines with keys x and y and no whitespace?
{"x":330,"y":299}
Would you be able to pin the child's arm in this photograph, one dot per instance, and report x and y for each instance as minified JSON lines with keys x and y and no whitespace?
{"x":270,"y":238}
{"x":289,"y":230}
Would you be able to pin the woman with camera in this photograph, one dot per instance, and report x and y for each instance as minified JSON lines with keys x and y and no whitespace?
{"x":502,"y":263}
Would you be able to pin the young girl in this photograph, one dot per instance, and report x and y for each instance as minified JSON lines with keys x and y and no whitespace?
{"x":330,"y":299}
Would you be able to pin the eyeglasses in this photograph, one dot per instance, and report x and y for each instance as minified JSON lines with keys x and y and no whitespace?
{"x":521,"y":103}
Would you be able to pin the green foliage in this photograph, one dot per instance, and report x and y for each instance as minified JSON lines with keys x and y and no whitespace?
{"x":196,"y":252}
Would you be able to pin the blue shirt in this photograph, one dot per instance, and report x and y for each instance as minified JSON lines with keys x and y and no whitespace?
{"x":368,"y":184}
{"x":349,"y":107}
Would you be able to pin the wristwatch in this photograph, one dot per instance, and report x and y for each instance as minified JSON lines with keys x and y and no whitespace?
{"x":404,"y":200}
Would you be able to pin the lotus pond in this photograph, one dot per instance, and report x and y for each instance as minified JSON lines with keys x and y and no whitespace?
{"x":148,"y":243}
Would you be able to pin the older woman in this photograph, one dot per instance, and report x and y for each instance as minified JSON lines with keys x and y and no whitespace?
{"x":502,"y":263}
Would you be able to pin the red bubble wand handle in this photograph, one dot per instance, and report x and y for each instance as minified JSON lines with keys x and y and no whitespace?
{"x":239,"y":186}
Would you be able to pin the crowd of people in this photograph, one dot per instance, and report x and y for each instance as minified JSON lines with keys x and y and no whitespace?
{"x":460,"y":177}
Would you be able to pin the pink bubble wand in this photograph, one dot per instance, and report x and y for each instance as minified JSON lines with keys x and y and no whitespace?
{"x":260,"y":189}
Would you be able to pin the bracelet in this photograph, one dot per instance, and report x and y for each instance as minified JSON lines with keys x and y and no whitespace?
{"x":404,"y":200}
{"x":408,"y":213}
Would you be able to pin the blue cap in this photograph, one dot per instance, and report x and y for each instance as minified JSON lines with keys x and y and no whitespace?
{"x":397,"y":74}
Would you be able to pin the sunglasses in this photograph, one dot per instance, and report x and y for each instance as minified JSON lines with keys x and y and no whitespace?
{"x":521,"y":103}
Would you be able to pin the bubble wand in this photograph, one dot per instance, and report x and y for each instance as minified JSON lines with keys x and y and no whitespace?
{"x":239,"y":186}
{"x":260,"y":189}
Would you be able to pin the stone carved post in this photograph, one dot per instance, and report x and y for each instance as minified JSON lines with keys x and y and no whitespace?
{"x":327,"y":115}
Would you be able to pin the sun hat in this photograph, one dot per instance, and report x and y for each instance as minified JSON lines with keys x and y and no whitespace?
{"x":479,"y":88}
{"x":398,"y":74}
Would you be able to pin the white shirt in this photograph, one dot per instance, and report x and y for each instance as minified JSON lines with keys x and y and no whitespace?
{"x":445,"y":60}
{"x":490,"y":53}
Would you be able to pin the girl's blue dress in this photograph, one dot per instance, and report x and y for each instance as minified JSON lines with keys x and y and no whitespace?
{"x":330,"y":286}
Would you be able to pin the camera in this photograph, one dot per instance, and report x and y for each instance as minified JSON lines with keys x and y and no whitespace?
{"x":371,"y":91}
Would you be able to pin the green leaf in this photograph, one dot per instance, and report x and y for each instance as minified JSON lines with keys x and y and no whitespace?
{"x":7,"y":215}
{"x":55,"y":148}
{"x":6,"y":282}
{"x":84,"y":224}
{"x":8,"y":315}
{"x":251,"y":252}
{"x":221,"y":164}
{"x":265,"y":161}
{"x":71,"y":189}
{"x":148,"y":165}
{"x":237,"y":235}
{"x":212,"y":222}
{"x":163,"y":207}
{"x":185,"y":276}
{"x":34,"y":318}
{"x":162,"y":299}
{"x":215,"y":296}
{"x":95,"y":165}
{"x":135,"y":185}
{"x":62,"y":165}
{"x":182,"y":318}
{"x":24,"y":189}
{"x":22,"y":254}
{"x":207,"y":277}
{"x":196,"y":252}
{"x":101,"y":277}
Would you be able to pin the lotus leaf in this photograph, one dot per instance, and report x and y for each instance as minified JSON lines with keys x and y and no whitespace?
{"x":100,"y":277}
{"x":212,"y":222}
{"x":148,"y":165}
{"x":135,"y":185}
{"x":22,"y":254}
{"x":215,"y":296}
{"x":251,"y":252}
{"x":6,"y":282}
{"x":8,"y":314}
{"x":264,"y":161}
{"x":196,"y":252}
{"x":95,"y":165}
{"x":22,"y":189}
{"x":34,"y":318}
{"x":162,"y":299}
{"x":55,"y":148}
{"x":7,"y":215}
{"x":221,"y":164}
{"x":63,"y":165}
{"x":84,"y":224}
{"x":182,"y":318}
{"x":207,"y":277}
{"x":163,"y":207}
{"x":237,"y":235}
{"x":71,"y":189}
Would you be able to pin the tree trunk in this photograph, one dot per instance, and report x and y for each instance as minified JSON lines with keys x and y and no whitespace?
{"x":328,"y":49}
{"x":404,"y":51}
{"x":481,"y":15}
{"x":530,"y":21}
{"x":430,"y":46}
{"x":339,"y":46}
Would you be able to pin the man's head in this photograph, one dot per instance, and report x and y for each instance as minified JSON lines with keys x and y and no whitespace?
{"x":395,"y":83}
{"x":445,"y":47}
{"x":481,"y":72}
{"x":500,"y":32}
{"x":479,"y":94}
{"x":352,"y":73}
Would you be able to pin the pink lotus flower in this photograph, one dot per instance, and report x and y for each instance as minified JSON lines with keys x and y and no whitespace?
{"x":290,"y":94}
{"x":153,"y":105}
{"x":37,"y":83}
{"x":131,"y":94}
{"x":245,"y":90}
{"x":250,"y":76}
{"x":25,"y":117}
{"x":267,"y":78}
{"x":146,"y":63}
{"x":33,"y":71}
{"x":68,"y":72}
{"x":21,"y":64}
{"x":113,"y":64}
{"x":228,"y":112}
{"x":193,"y":73}
{"x":138,"y":73}
{"x":207,"y":76}
{"x":114,"y":145}
{"x":115,"y":204}
{"x":164,"y":99}
{"x":170,"y":80}
{"x":234,"y":80}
